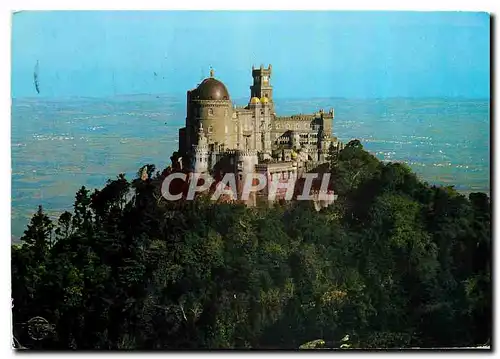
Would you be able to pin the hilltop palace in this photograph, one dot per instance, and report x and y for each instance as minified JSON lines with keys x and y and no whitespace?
{"x":220,"y":137}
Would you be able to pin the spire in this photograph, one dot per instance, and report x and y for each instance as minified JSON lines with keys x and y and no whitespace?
{"x":211,"y":72}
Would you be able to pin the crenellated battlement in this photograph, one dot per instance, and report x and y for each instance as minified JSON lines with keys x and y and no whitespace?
{"x":200,"y":148}
{"x":307,"y":117}
{"x":248,"y":152}
{"x":261,"y":70}
{"x":231,"y":152}
{"x":296,"y":118}
{"x":243,"y":110}
{"x":330,"y":112}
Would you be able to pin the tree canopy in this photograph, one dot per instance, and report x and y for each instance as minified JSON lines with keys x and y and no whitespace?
{"x":394,"y":262}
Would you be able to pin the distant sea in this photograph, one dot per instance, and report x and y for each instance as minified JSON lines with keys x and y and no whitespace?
{"x":60,"y":145}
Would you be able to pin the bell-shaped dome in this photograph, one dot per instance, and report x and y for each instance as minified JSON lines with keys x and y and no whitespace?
{"x":264,"y":100}
{"x":211,"y":89}
{"x":254,"y":100}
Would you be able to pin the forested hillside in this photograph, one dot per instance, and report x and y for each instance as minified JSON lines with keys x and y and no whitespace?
{"x":394,"y":262}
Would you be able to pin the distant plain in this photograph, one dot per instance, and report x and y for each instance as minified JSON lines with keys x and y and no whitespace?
{"x":60,"y":145}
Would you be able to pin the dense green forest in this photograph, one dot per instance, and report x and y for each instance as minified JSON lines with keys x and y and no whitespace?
{"x":395,"y":262}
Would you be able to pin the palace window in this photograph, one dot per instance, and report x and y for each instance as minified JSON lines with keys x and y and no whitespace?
{"x":210,"y":128}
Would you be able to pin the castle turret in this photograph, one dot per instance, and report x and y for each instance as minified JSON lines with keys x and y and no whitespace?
{"x":247,"y":160}
{"x":200,"y":153}
{"x":261,"y":87}
{"x":209,"y":105}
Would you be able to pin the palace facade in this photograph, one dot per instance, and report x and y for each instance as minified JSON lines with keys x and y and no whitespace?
{"x":220,"y":137}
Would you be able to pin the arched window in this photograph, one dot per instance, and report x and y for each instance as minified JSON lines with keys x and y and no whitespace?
{"x":210,"y":112}
{"x":210,"y":129}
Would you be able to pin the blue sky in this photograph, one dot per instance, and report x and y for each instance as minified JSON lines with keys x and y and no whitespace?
{"x":314,"y":54}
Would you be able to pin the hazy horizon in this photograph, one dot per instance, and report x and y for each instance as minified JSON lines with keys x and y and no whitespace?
{"x":58,"y":146}
{"x":243,"y":98}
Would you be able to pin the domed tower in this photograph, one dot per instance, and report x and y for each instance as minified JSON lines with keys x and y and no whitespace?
{"x":209,"y":108}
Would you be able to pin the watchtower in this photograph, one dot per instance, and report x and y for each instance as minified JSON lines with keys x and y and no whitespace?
{"x":261,"y":87}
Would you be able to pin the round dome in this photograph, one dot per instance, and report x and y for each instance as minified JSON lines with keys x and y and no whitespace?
{"x":264,"y":100}
{"x":211,"y":89}
{"x":254,"y":100}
